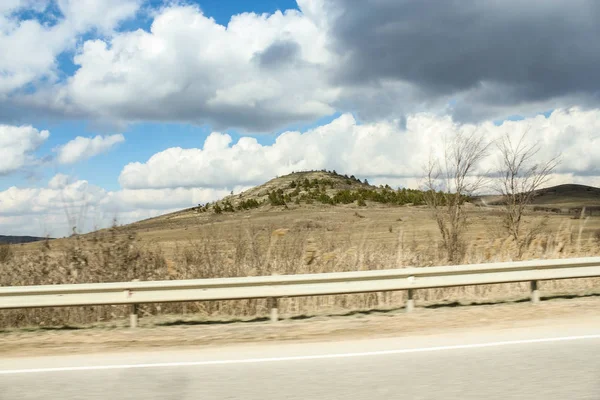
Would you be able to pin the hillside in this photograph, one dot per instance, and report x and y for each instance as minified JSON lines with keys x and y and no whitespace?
{"x":307,"y":190}
{"x":338,"y":207}
{"x":303,"y":193}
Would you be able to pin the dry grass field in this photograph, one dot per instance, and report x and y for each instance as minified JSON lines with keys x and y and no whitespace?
{"x":295,"y":239}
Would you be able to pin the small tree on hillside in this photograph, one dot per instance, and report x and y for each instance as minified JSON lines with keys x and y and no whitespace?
{"x":520,"y":176}
{"x":448,"y":183}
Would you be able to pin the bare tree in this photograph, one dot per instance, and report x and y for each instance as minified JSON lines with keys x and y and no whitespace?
{"x":519,"y":177}
{"x":449,"y":182}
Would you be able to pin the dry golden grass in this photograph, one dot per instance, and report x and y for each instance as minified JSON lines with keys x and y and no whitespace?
{"x":320,"y":239}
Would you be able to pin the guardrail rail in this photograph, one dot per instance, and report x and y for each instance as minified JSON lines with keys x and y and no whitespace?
{"x":274,"y":288}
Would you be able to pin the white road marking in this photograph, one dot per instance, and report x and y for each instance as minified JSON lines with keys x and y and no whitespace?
{"x":298,"y":358}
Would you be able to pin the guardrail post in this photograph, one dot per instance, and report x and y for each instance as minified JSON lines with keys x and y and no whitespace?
{"x":133,"y":311}
{"x":272,"y":303}
{"x":410,"y":303}
{"x":133,"y":316}
{"x":535,"y":292}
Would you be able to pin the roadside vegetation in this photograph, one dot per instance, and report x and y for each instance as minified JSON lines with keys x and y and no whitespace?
{"x":118,"y":255}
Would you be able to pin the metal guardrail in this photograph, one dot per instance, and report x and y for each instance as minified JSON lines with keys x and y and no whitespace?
{"x":276,"y":287}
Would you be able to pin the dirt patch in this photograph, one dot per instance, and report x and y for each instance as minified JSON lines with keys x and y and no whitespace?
{"x":169,"y":332}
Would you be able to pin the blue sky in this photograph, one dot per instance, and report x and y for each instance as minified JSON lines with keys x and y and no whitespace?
{"x":144,"y":122}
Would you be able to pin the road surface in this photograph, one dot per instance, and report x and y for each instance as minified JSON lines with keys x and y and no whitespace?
{"x":558,"y":363}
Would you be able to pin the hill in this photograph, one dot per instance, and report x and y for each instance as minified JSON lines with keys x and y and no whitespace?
{"x":568,"y":195}
{"x":563,"y":199}
{"x":301,"y":190}
{"x":306,"y":188}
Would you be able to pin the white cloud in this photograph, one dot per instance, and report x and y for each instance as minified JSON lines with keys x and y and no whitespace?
{"x":569,"y":178}
{"x":55,"y":198}
{"x":162,"y":199}
{"x":67,"y":202}
{"x":59,"y":181}
{"x":17,"y":144}
{"x":82,"y":148}
{"x":382,"y":151}
{"x":34,"y":46}
{"x":104,"y":15}
{"x":257,"y":73}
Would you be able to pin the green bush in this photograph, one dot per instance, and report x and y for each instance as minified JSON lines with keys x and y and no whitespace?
{"x":228,"y":207}
{"x":324,"y":198}
{"x":248,"y":204}
{"x":276,"y":198}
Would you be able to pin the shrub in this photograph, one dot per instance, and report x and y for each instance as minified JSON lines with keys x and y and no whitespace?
{"x":276,"y":198}
{"x":325,"y":199}
{"x":248,"y":204}
{"x":228,"y":207}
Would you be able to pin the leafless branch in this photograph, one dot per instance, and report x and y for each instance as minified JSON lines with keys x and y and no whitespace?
{"x":448,"y":182}
{"x":520,"y":176}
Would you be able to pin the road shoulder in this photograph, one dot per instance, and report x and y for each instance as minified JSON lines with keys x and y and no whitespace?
{"x":187,"y":333}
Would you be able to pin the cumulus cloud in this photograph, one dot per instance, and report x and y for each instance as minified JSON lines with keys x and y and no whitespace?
{"x":383,"y":150}
{"x":34,"y":45}
{"x":103,"y":15}
{"x":82,"y":148}
{"x":258,"y":73}
{"x":58,"y":181}
{"x":66,"y":202}
{"x":17,"y":144}
{"x":26,"y":201}
{"x":162,"y":199}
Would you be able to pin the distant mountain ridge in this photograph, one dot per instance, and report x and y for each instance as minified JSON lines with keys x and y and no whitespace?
{"x":568,"y":195}
{"x":19,"y":239}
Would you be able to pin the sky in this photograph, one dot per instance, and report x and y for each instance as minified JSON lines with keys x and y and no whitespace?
{"x":129,"y":109}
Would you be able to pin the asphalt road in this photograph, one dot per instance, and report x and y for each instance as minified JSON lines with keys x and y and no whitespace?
{"x":561,"y":363}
